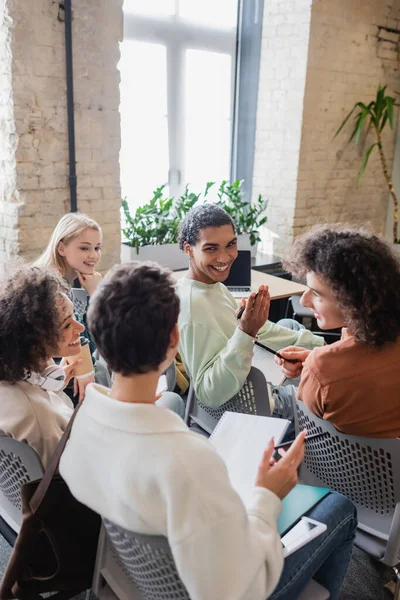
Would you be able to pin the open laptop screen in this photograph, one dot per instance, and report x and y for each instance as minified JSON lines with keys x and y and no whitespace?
{"x":240,"y":273}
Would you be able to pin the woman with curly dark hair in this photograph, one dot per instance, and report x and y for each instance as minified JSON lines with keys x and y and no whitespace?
{"x":36,"y":324}
{"x":353,"y":280}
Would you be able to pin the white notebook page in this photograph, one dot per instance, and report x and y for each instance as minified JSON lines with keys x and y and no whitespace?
{"x":241,"y":440}
{"x":264,"y":360}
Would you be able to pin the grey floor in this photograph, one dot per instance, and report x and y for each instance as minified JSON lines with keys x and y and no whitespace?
{"x":365,"y":578}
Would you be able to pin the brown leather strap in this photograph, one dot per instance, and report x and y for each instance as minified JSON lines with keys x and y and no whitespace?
{"x":53,"y":466}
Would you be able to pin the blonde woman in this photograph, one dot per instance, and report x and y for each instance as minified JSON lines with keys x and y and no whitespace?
{"x":74,"y":249}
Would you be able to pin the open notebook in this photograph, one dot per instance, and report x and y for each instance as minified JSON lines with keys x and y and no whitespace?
{"x":241,"y":440}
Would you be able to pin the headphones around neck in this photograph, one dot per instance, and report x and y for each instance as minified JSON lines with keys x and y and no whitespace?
{"x":52,"y":379}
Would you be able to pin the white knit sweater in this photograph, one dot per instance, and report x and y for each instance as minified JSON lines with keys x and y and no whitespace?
{"x":32,"y":414}
{"x":140,"y":466}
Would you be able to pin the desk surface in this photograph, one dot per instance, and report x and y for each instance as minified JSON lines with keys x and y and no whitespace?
{"x":278,"y":287}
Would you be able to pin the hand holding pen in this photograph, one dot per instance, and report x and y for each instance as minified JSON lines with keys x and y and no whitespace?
{"x":291,"y":360}
{"x":254,"y":312}
{"x":253,"y":299}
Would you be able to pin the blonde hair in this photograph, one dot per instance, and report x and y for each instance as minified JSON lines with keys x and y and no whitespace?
{"x":67,"y":229}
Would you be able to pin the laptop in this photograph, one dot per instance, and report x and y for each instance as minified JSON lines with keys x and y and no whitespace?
{"x":239,"y":279}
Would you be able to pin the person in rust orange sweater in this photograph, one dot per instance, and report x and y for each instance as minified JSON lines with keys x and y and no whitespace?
{"x":353,"y":280}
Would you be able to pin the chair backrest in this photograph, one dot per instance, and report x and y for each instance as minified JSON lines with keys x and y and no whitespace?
{"x":19,"y":464}
{"x":80,"y":300}
{"x":133,"y":566}
{"x":251,"y":399}
{"x":147,"y":561}
{"x":170,"y":374}
{"x":366,"y":470}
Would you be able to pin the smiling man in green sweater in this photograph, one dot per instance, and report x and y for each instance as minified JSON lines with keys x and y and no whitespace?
{"x":215,"y":347}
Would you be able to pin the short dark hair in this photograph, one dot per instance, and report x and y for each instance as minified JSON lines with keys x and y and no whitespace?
{"x":362,"y":271}
{"x":200,"y":217}
{"x":131,"y":316}
{"x":29,"y":321}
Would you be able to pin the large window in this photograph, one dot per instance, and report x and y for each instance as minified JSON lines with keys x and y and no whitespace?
{"x":177,"y":94}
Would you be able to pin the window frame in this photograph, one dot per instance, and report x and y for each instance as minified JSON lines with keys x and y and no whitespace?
{"x":179,"y":35}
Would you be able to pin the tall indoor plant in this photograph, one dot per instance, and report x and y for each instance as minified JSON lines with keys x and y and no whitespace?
{"x":376,"y":115}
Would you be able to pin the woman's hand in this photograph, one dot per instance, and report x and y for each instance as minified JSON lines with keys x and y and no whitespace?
{"x":292,"y":370}
{"x":281,"y":477}
{"x":80,"y":386}
{"x":89,"y":281}
{"x":255,"y":312}
{"x":69,"y":369}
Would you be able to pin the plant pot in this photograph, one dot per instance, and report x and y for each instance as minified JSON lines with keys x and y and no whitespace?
{"x":244,"y":244}
{"x":166,"y":255}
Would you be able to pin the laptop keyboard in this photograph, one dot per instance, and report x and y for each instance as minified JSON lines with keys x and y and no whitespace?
{"x":239,"y":289}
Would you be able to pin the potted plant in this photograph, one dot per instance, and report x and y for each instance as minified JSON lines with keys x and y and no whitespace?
{"x":376,"y":115}
{"x":151,"y":232}
{"x":248,"y":217}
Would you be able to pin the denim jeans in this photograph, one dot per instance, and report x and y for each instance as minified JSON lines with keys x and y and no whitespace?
{"x":285,"y":395}
{"x":172,"y":401}
{"x":326,"y":558}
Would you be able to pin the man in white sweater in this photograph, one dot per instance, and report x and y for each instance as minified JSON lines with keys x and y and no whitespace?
{"x":139,"y":466}
{"x":216,"y":347}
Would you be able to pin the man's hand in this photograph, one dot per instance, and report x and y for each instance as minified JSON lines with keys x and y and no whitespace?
{"x":89,"y":281}
{"x":281,"y":477}
{"x":292,"y":370}
{"x":256,"y":311}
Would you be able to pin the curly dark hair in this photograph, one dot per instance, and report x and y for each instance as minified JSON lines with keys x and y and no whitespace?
{"x":200,"y":217}
{"x":29,"y":321}
{"x":362,"y":271}
{"x":131,"y":316}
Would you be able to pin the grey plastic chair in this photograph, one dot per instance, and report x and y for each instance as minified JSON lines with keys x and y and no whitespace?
{"x":367,"y":471}
{"x":132,"y":566}
{"x":170,"y":374}
{"x":19,"y":464}
{"x":252,"y":399}
{"x":80,"y":300}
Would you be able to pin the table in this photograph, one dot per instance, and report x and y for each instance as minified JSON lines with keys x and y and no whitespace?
{"x":278,"y":287}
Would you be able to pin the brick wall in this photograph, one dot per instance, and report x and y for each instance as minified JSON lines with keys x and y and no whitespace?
{"x":284,"y":50}
{"x":349,"y":54}
{"x":34,"y":144}
{"x":317,"y":61}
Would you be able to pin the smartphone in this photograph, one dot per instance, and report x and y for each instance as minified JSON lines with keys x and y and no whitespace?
{"x":302,"y":533}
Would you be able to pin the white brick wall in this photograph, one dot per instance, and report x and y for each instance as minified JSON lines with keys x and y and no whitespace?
{"x":284,"y":52}
{"x":309,"y":80}
{"x":34,"y":166}
{"x":348,"y":57}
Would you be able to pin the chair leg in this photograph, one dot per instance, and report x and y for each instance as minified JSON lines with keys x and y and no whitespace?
{"x":396,"y":595}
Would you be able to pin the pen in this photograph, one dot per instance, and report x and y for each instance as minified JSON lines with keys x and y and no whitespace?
{"x":289,"y":360}
{"x":241,"y":310}
{"x":313,"y":436}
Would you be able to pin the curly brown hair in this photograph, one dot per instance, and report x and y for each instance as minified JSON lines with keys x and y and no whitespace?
{"x":29,"y":321}
{"x":362,"y":271}
{"x":131,"y":316}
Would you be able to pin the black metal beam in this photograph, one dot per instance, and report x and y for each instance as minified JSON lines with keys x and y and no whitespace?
{"x":70,"y":105}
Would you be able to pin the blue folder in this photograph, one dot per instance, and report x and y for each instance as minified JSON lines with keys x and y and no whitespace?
{"x":299,"y":501}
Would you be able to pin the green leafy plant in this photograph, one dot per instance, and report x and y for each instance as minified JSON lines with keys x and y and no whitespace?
{"x":157,"y":222}
{"x":248,"y":217}
{"x":376,"y":115}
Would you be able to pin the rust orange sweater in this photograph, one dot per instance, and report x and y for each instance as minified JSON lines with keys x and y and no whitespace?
{"x":354,"y":386}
